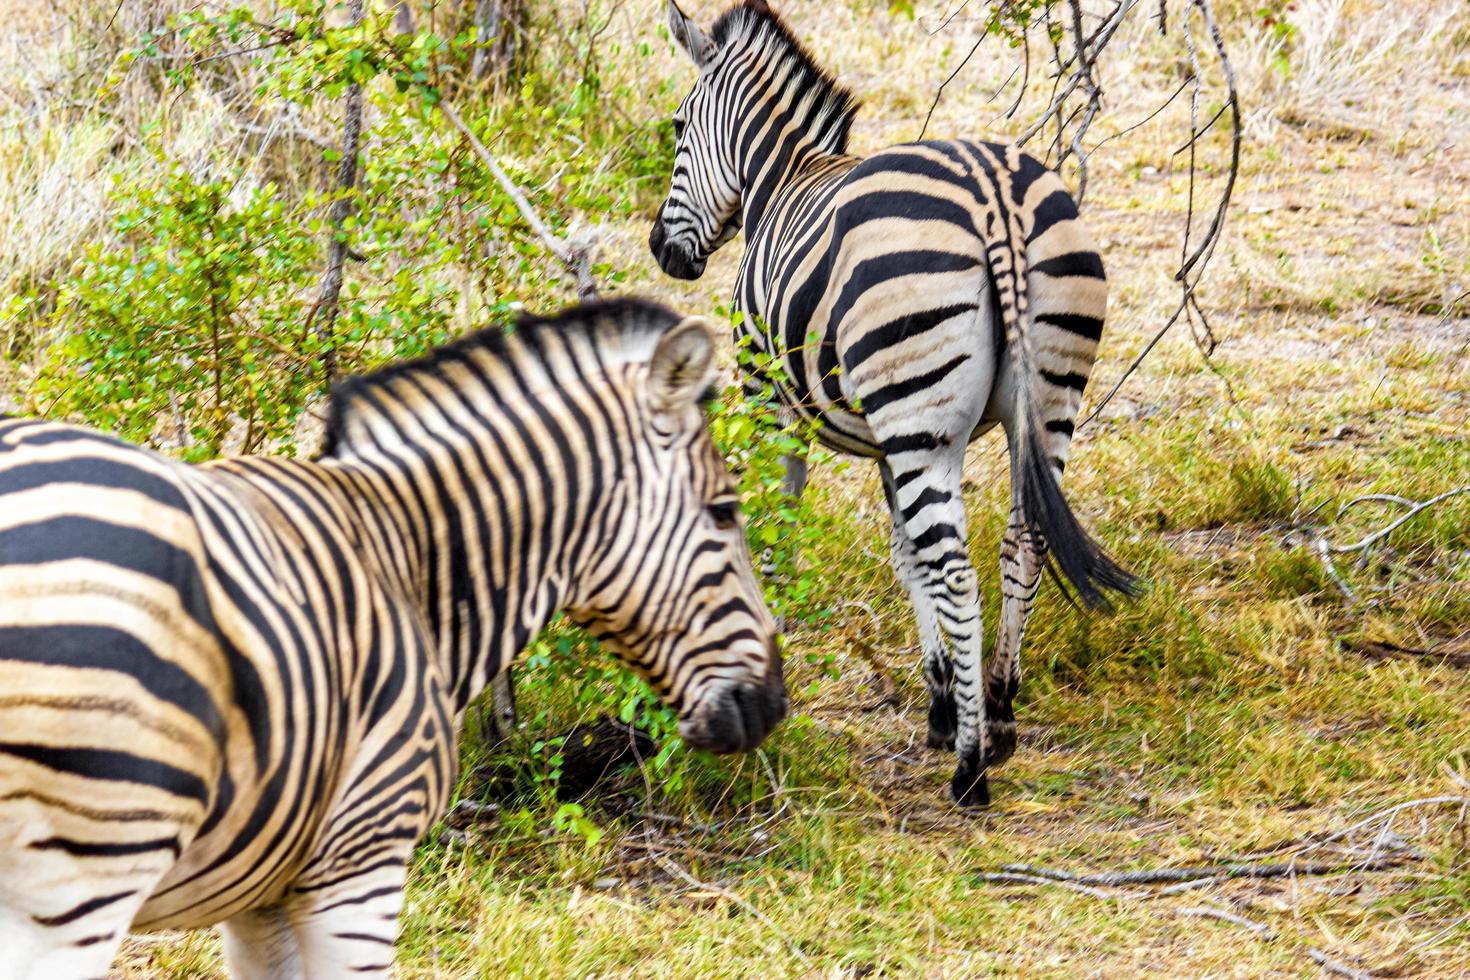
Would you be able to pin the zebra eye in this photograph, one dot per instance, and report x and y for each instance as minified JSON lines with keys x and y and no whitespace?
{"x":678,"y":129}
{"x":726,"y":514}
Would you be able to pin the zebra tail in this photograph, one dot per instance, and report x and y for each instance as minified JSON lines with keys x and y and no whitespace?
{"x":1081,"y":560}
{"x":1069,"y":547}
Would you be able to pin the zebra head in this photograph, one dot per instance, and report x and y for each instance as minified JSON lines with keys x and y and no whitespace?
{"x":702,"y":211}
{"x":673,"y":593}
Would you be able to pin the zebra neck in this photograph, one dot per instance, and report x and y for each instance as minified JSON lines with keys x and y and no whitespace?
{"x":477,"y":510}
{"x":764,"y":187}
{"x":788,"y":110}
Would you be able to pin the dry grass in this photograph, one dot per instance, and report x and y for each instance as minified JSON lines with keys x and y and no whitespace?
{"x":1230,"y":711}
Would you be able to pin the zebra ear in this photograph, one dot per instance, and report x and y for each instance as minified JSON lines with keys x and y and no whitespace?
{"x":687,"y":35}
{"x":682,"y":365}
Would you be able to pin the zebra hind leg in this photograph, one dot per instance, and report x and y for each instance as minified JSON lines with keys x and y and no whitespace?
{"x":349,"y":928}
{"x":75,"y":937}
{"x":1022,"y":552}
{"x":938,"y":668}
{"x":928,"y":507}
{"x":259,"y":945}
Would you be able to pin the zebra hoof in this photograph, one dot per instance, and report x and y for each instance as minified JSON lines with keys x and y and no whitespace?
{"x":943,"y":720}
{"x":969,"y":788}
{"x":940,"y":740}
{"x":1000,"y":742}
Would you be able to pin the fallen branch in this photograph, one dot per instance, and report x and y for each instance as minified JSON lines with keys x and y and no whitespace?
{"x":1375,"y":651}
{"x":1333,"y":966}
{"x":1265,"y":934}
{"x":1077,"y":883}
{"x":1017,"y":878}
{"x":1219,"y":872}
{"x":674,"y":869}
{"x":1208,"y":912}
{"x":1383,"y":532}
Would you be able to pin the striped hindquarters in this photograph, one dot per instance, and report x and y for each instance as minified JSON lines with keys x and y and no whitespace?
{"x":1067,"y":293}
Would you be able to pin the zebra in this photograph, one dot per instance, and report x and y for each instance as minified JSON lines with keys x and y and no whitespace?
{"x":229,"y":693}
{"x":912,"y":300}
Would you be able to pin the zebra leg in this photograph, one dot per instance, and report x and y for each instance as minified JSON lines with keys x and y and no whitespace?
{"x":932,"y":511}
{"x":70,"y":887}
{"x":349,"y":928}
{"x":1021,"y":554}
{"x":938,"y":671}
{"x":259,"y":945}
{"x":71,"y":935}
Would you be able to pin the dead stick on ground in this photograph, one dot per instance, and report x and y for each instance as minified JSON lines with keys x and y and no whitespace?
{"x":1333,"y":966}
{"x":1266,"y":934}
{"x":1206,"y":912}
{"x":1016,"y":878}
{"x":1394,"y":525}
{"x":1157,"y":876}
{"x":1260,"y":929}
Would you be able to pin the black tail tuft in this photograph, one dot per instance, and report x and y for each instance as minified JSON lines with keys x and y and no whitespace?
{"x":1082,"y":562}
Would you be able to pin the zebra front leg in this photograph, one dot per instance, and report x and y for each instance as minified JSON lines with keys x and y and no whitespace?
{"x":348,"y":929}
{"x":938,"y":670}
{"x":1022,"y":552}
{"x":259,"y":945}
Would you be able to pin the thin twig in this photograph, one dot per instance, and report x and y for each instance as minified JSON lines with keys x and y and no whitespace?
{"x":1333,"y":966}
{"x":1389,"y":528}
{"x":939,"y":93}
{"x":1207,"y":912}
{"x":1192,"y":262}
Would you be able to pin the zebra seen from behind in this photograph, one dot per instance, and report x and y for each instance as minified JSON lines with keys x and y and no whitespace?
{"x":913,"y":299}
{"x":230,"y":692}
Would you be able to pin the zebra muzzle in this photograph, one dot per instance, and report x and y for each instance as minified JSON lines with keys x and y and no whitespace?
{"x":673,"y":258}
{"x":739,"y":715}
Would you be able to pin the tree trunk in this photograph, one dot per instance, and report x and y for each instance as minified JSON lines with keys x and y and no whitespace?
{"x":342,"y":207}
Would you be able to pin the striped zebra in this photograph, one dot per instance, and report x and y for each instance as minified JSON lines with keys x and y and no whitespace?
{"x":912,"y":299}
{"x":229,"y":693}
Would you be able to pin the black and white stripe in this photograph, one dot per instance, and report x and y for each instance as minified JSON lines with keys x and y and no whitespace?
{"x":914,"y":299}
{"x":230,"y":693}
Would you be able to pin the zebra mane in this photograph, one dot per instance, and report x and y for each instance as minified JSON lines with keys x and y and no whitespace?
{"x":756,"y":22}
{"x":611,"y":323}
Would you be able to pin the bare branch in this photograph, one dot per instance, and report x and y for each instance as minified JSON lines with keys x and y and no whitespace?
{"x":1155,"y":876}
{"x":1208,"y":912}
{"x":1383,"y":532}
{"x":674,"y":869}
{"x":575,"y":254}
{"x":939,"y":93}
{"x":1333,"y":966}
